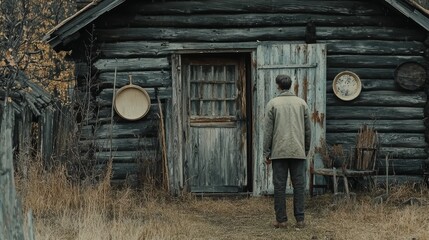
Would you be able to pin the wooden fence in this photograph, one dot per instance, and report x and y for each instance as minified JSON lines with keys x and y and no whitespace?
{"x":11,"y":217}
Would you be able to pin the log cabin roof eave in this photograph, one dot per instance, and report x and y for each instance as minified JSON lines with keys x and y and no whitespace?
{"x":412,"y":10}
{"x":71,"y":25}
{"x":60,"y":34}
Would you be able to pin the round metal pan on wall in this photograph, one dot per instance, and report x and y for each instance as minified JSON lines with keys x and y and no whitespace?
{"x":132,"y":102}
{"x":410,"y":75}
{"x":347,"y":85}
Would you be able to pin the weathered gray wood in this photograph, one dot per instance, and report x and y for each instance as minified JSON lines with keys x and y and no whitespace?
{"x":143,"y":79}
{"x":177,"y":124}
{"x":384,"y":33}
{"x":352,"y":126}
{"x":370,"y":60}
{"x":122,"y":130}
{"x":254,"y":34}
{"x":188,"y":7}
{"x":246,"y":20}
{"x":162,"y":48}
{"x":401,"y":166}
{"x":105,"y":96}
{"x":122,"y":144}
{"x":366,"y":72}
{"x":11,"y":224}
{"x":309,"y":84}
{"x":375,"y":47}
{"x":126,"y":156}
{"x":382,"y":98}
{"x":403,"y":140}
{"x":46,"y":134}
{"x":371,"y":85}
{"x":373,"y":113}
{"x":401,"y":153}
{"x":131,"y":64}
{"x":342,"y":172}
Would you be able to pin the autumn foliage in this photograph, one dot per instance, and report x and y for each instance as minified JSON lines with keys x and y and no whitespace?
{"x":23,"y":23}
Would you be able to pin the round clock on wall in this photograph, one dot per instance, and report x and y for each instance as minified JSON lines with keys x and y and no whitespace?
{"x":347,"y":85}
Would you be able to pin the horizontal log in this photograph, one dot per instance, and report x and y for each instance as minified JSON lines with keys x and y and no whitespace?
{"x":257,"y":34}
{"x":246,"y":20}
{"x":403,"y":140}
{"x":401,"y":153}
{"x":120,"y":170}
{"x":370,"y":60}
{"x":370,"y":85}
{"x":363,"y":73}
{"x":400,"y":166}
{"x":381,"y":98}
{"x":105,"y":112}
{"x":384,"y":33}
{"x":262,"y":6}
{"x":131,"y":64}
{"x":123,"y":130}
{"x":105,"y":96}
{"x":352,"y":126}
{"x":396,"y":180}
{"x":126,"y":156}
{"x":153,"y":48}
{"x":374,"y":47}
{"x":123,"y":144}
{"x":374,"y":113}
{"x":143,"y":79}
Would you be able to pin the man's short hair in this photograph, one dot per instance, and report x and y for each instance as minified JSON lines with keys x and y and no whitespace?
{"x":284,"y":82}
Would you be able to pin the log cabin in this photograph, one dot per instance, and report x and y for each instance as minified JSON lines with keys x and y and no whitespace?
{"x":209,"y":66}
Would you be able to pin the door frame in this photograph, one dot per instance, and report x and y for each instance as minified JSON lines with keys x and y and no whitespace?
{"x":178,"y":164}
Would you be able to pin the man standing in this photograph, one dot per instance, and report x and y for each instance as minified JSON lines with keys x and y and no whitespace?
{"x":286,"y":143}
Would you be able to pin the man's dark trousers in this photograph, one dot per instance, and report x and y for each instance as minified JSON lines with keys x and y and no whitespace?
{"x":280,"y":175}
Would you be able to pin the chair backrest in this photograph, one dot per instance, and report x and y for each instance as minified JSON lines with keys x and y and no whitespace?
{"x":366,"y":149}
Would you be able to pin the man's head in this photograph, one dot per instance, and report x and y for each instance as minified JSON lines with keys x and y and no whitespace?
{"x":283,"y":82}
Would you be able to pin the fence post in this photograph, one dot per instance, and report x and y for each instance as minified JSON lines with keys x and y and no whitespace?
{"x":11,"y":222}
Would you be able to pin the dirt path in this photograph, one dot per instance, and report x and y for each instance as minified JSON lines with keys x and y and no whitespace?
{"x":248,"y":219}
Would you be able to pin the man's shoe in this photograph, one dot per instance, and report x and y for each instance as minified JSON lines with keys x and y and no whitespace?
{"x":279,"y":224}
{"x":300,"y":224}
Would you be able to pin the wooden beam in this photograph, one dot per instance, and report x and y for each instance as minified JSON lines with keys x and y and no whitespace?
{"x":364,"y":72}
{"x":352,"y":126}
{"x":131,"y":64}
{"x":122,"y":144}
{"x":371,"y":60}
{"x":246,"y":20}
{"x":381,"y":98}
{"x":125,"y":156}
{"x":257,"y":34}
{"x":123,"y":130}
{"x":403,"y":140}
{"x":373,"y":113}
{"x":274,"y":6}
{"x":163,"y":48}
{"x":141,"y":78}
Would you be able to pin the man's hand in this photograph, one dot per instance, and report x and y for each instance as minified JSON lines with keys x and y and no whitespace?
{"x":267,"y":161}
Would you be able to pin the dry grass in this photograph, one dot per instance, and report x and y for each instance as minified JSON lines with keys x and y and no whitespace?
{"x":65,"y":211}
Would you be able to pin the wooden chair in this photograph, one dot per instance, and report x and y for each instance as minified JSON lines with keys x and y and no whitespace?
{"x":361,"y":165}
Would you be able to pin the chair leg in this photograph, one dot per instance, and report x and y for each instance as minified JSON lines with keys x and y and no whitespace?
{"x":346,"y":186}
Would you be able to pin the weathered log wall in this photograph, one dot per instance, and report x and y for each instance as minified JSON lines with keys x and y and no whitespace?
{"x":365,"y":37}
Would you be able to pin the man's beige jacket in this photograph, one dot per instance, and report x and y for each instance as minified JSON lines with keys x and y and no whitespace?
{"x":287,"y":130}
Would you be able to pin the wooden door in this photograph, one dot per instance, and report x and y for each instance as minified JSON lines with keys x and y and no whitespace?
{"x":216,"y":151}
{"x":306,"y":65}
